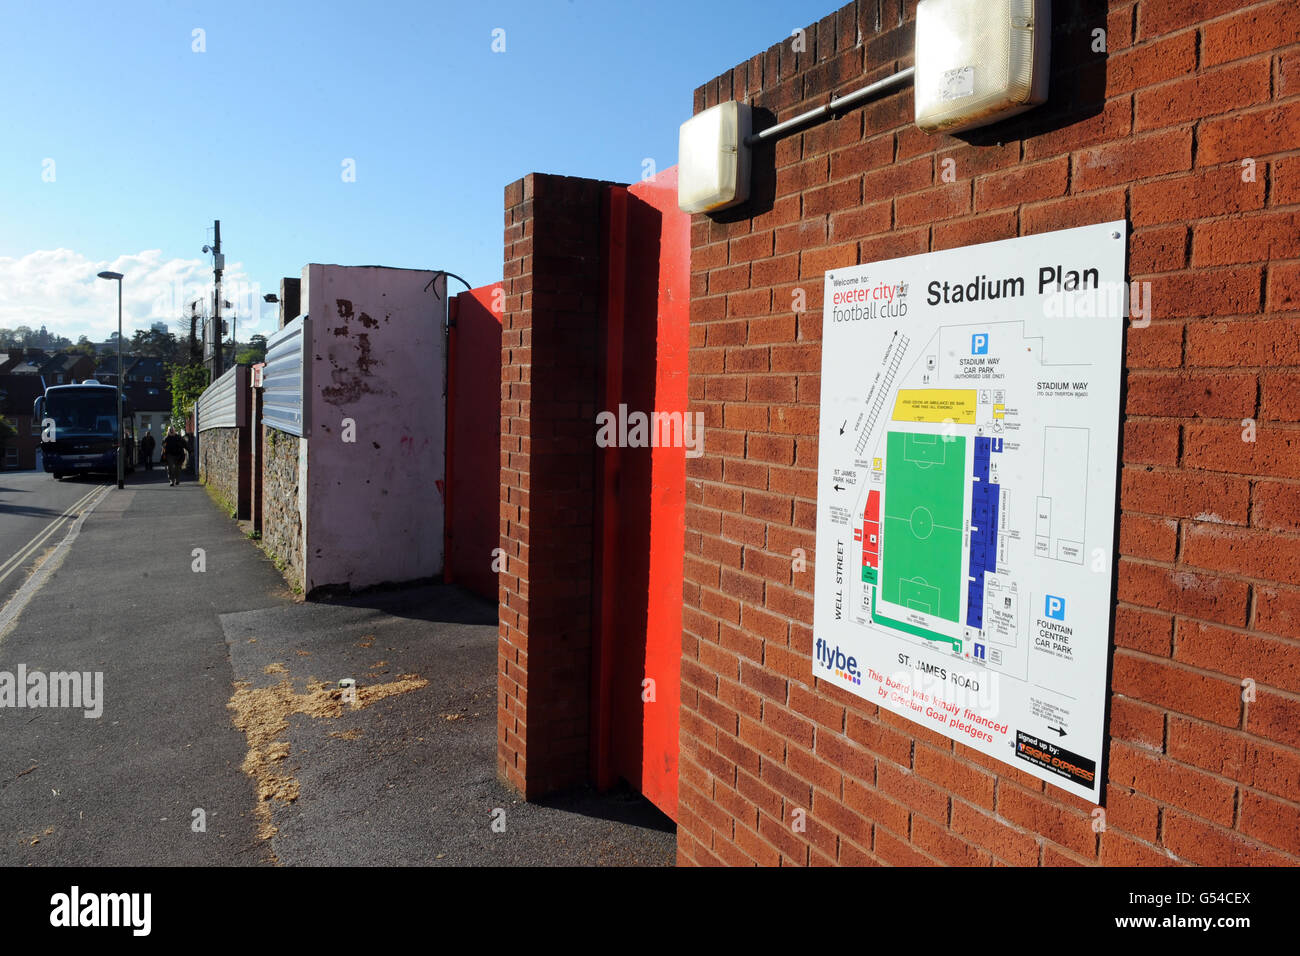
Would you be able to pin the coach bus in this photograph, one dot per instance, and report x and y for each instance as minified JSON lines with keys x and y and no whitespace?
{"x":80,"y":433}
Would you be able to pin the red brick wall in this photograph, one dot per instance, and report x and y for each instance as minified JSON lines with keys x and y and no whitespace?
{"x":1156,"y":130}
{"x":549,"y":341}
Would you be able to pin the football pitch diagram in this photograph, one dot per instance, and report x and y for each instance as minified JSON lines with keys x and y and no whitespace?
{"x":966,"y":483}
{"x":923,"y":521}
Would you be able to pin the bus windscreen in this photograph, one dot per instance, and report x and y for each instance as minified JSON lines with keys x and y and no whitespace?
{"x":82,"y":413}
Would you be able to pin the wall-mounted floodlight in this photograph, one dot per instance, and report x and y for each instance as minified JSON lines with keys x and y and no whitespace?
{"x":979,"y":61}
{"x":713,"y":158}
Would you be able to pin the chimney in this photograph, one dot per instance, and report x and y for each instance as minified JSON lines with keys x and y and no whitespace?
{"x":290,"y":296}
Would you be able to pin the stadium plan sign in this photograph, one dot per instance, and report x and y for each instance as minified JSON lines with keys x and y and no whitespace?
{"x":966,"y":492}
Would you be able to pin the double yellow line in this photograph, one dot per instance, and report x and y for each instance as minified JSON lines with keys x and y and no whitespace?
{"x":32,"y":546}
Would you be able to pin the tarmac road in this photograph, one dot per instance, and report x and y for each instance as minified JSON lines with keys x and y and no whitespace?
{"x":35,"y":511}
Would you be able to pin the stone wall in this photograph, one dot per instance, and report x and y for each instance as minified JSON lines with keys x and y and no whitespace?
{"x":219,"y":464}
{"x":281,"y":519}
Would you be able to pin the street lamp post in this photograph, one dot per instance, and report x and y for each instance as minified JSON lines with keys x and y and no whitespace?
{"x":121,"y":482}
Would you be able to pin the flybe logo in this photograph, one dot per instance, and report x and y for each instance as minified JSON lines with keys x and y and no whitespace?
{"x":833,"y":659}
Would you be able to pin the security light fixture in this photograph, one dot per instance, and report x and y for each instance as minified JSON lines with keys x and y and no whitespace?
{"x":979,"y":61}
{"x":713,"y":158}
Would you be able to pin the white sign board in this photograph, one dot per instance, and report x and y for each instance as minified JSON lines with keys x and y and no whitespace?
{"x":966,"y":492}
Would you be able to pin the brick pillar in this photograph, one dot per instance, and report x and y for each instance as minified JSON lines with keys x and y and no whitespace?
{"x":549,"y":344}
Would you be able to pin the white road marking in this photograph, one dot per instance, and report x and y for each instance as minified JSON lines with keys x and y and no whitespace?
{"x":23,"y":596}
{"x":19,"y":556}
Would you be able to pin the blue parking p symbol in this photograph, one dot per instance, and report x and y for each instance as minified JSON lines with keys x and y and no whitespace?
{"x":1055,"y":607}
{"x":979,"y":343}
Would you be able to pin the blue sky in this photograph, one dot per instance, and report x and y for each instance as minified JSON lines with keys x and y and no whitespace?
{"x":150,"y":140}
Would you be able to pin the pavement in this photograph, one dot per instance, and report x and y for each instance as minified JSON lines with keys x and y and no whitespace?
{"x":225,"y":738}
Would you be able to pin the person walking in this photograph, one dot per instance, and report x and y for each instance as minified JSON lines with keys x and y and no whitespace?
{"x":146,"y":449}
{"x":173,"y":447}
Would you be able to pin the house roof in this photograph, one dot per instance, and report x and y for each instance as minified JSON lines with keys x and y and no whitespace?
{"x":62,"y":362}
{"x":28,"y":360}
{"x":17,"y":392}
{"x":139,"y":390}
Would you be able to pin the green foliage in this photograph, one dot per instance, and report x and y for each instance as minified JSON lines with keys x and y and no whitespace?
{"x":25,"y":336}
{"x":254,"y":352}
{"x":7,"y":430}
{"x":151,"y":343}
{"x":187,"y":383}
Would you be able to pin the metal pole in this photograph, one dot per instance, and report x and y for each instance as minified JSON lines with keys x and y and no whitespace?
{"x":218,"y":360}
{"x":843,"y":103}
{"x":121,"y":425}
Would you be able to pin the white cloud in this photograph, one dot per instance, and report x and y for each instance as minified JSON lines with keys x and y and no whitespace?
{"x":59,"y":288}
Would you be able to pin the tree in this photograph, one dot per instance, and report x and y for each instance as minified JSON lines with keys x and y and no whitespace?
{"x":187,"y":383}
{"x":254,"y":352}
{"x":152,"y":343}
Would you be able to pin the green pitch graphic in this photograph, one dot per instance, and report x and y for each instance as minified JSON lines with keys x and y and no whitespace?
{"x":925,"y":488}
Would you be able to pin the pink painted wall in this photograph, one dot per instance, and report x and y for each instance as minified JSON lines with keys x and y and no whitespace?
{"x":374,"y":511}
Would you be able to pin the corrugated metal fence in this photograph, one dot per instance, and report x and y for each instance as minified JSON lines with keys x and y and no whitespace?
{"x":224,"y":403}
{"x":283,"y":379}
